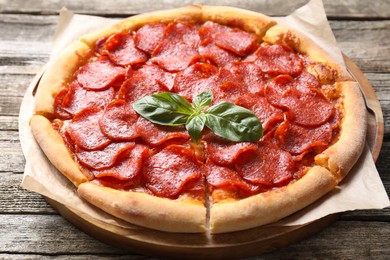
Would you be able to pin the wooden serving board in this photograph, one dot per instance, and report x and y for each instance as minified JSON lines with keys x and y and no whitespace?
{"x":230,"y":245}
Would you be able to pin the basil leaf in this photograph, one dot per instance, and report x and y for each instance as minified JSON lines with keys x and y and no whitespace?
{"x":164,"y":108}
{"x":195,"y":126}
{"x":225,"y":119}
{"x":202,"y":100}
{"x":233,"y":122}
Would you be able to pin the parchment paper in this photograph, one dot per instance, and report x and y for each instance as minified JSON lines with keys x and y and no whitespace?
{"x":362,"y":189}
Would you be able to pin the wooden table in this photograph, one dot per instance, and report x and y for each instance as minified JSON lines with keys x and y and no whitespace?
{"x":30,"y":228}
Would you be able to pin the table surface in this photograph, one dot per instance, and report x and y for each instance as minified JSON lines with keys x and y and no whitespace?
{"x":31,"y":228}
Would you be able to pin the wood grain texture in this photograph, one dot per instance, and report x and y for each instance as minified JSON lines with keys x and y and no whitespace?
{"x":51,"y":231}
{"x":15,"y":200}
{"x":31,"y":229}
{"x":344,"y":8}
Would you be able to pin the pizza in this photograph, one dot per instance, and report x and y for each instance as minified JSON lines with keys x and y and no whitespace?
{"x":187,"y":177}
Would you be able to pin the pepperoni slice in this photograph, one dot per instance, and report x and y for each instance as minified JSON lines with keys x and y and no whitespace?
{"x":231,"y":85}
{"x":100,"y":75}
{"x":275,"y":91}
{"x":229,"y":88}
{"x":127,"y":169}
{"x":162,"y":77}
{"x":228,"y":91}
{"x":121,"y":50}
{"x":59,"y":110}
{"x":309,"y":79}
{"x":249,"y":75}
{"x":219,"y":177}
{"x":335,"y":120}
{"x":209,"y":29}
{"x":196,"y":186}
{"x":178,"y":48}
{"x":278,"y":59}
{"x":149,"y":36}
{"x":77,"y":98}
{"x":154,"y":134}
{"x":219,"y":56}
{"x":99,"y":44}
{"x":85,"y":132}
{"x":307,"y":108}
{"x":268,"y":114}
{"x":118,"y":121}
{"x":268,"y":165}
{"x":224,"y":152}
{"x":181,"y":32}
{"x":297,"y":139}
{"x":196,"y":79}
{"x":175,"y":57}
{"x":104,"y":158}
{"x":237,"y":41}
{"x":139,"y":84}
{"x":168,"y":171}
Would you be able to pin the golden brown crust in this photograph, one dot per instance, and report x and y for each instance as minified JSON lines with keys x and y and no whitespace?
{"x":57,"y":74}
{"x":244,"y":19}
{"x":191,"y":14}
{"x":273,"y":205}
{"x":340,"y":157}
{"x":55,"y":149}
{"x":183,"y":216}
{"x":327,"y":71}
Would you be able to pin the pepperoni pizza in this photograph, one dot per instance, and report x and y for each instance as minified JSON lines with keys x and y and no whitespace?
{"x":311,"y":112}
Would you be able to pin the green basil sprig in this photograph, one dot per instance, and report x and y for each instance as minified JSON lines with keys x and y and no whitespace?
{"x":225,"y":119}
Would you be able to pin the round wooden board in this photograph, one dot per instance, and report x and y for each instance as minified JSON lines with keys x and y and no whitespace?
{"x":230,"y":245}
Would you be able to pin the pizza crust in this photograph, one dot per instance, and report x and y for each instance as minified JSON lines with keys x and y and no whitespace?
{"x":53,"y":146}
{"x":247,"y":20}
{"x":183,"y":216}
{"x":56,"y":76}
{"x":244,"y":19}
{"x":189,"y":14}
{"x":340,"y":157}
{"x":326,"y":70}
{"x":271,"y":206}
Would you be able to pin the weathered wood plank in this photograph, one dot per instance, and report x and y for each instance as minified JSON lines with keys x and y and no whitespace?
{"x":385,"y":104}
{"x":74,"y":257}
{"x":14,"y":85}
{"x":380,"y":82}
{"x":15,"y":200}
{"x":11,"y":158}
{"x":366,"y":43}
{"x":8,"y":122}
{"x":27,"y":27}
{"x":367,"y":215}
{"x":20,"y":53}
{"x":51,"y":234}
{"x":10,"y":106}
{"x":352,"y":240}
{"x":382,"y":164}
{"x":347,"y":8}
{"x":25,"y":42}
{"x":46,"y":234}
